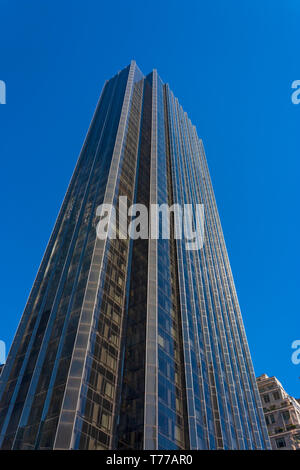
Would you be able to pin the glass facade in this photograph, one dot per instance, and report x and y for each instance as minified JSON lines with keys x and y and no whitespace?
{"x":133,"y":343}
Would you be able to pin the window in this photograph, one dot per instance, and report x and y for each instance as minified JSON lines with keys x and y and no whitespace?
{"x":286,"y":415}
{"x":105,"y":420}
{"x":266,"y":398}
{"x":272,"y":419}
{"x":276,"y":395}
{"x":280,"y":443}
{"x":108,"y":390}
{"x":267,"y":419}
{"x":161,"y":341}
{"x":177,"y":433}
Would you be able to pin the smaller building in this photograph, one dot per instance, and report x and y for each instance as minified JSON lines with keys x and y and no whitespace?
{"x":282,"y":414}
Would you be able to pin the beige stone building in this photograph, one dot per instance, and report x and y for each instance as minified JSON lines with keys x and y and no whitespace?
{"x":282,"y":413}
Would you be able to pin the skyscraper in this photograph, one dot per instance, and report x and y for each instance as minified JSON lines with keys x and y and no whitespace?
{"x":133,"y":343}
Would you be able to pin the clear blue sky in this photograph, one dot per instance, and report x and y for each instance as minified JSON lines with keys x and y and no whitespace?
{"x":231,"y":64}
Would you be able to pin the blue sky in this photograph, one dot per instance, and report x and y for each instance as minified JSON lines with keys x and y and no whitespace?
{"x":231,"y":64}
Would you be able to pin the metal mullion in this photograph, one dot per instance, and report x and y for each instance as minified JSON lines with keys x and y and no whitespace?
{"x":63,"y":229}
{"x":151,"y":429}
{"x":98,"y":255}
{"x":219,"y":281}
{"x":182,"y":288}
{"x":234,"y":316}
